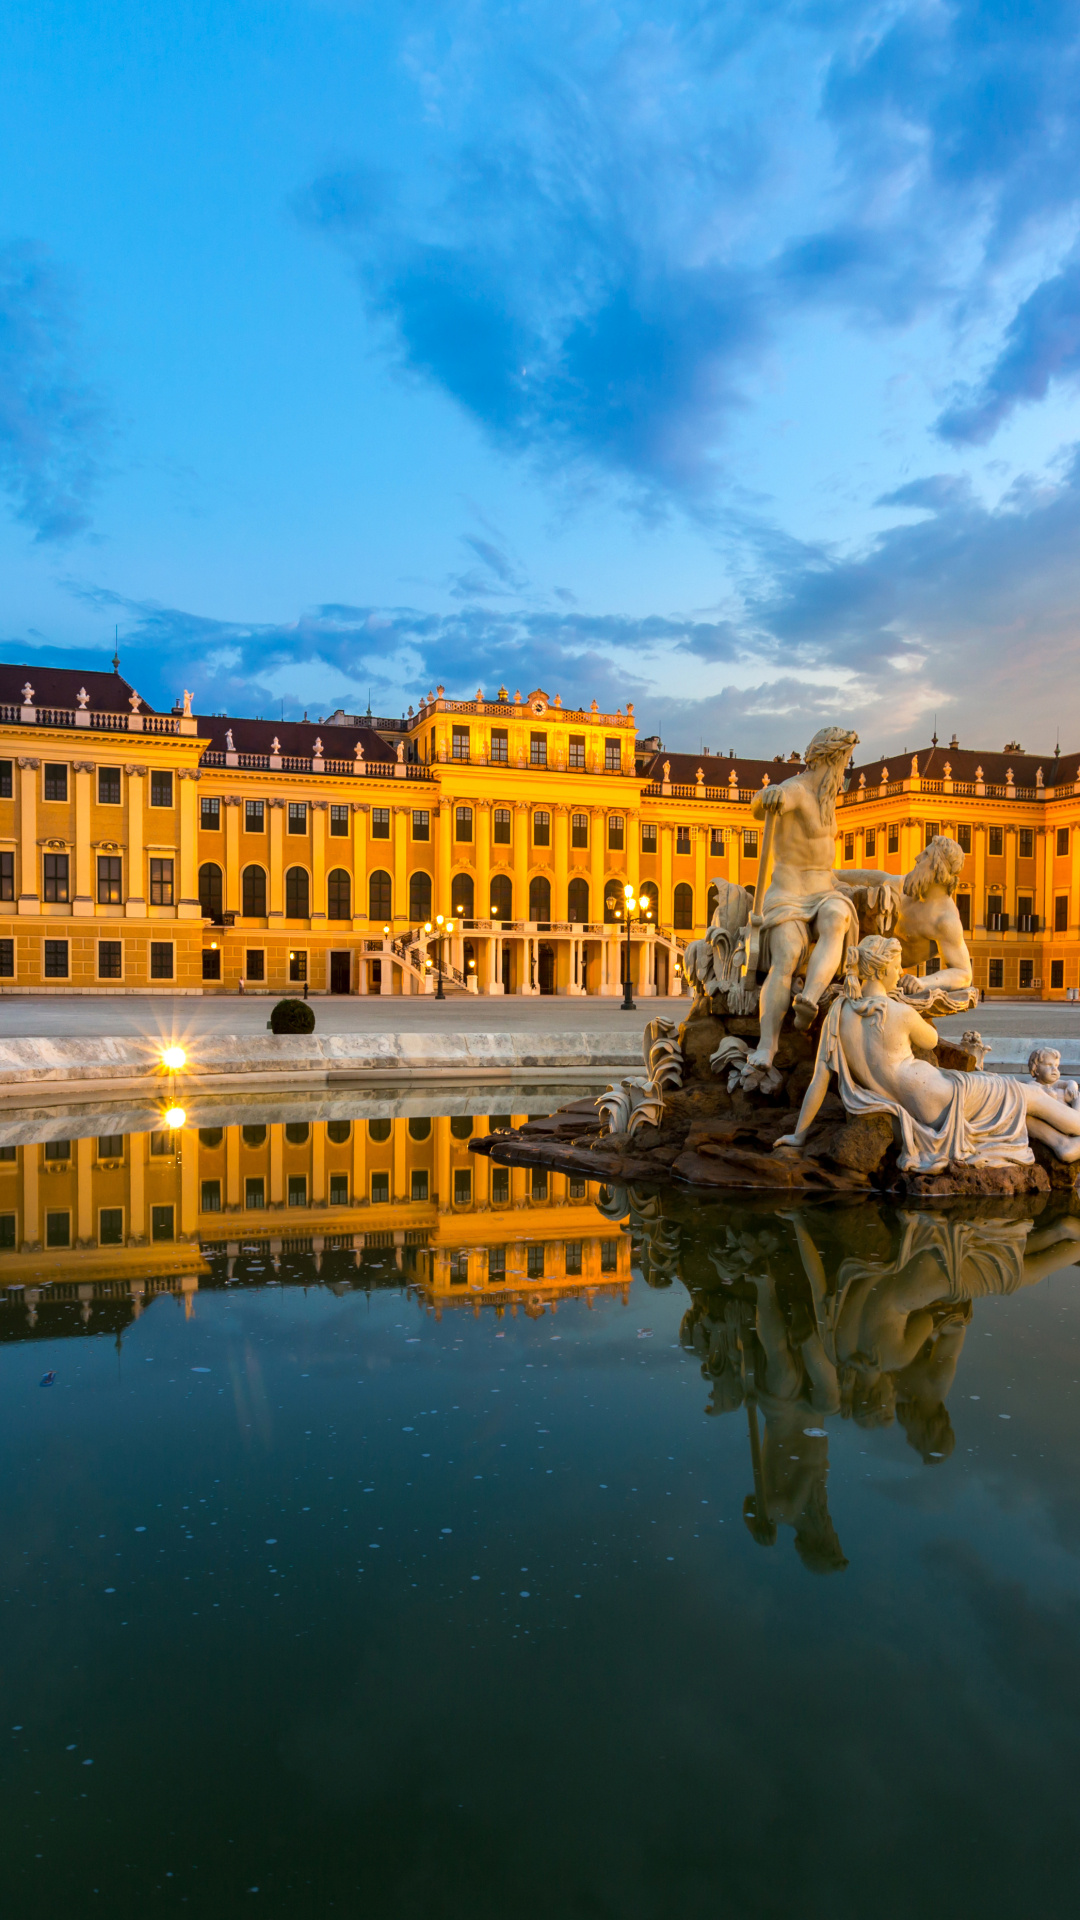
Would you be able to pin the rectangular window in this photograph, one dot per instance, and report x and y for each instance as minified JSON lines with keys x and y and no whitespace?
{"x":7,"y":876}
{"x":609,"y":1256}
{"x":58,"y":1150}
{"x":297,"y":967}
{"x":211,"y":963}
{"x":297,"y":816}
{"x":459,"y":1269}
{"x":161,"y":959}
{"x":110,"y":1146}
{"x":579,"y":830}
{"x":500,"y":746}
{"x":339,"y":823}
{"x":612,"y":756}
{"x":682,"y":839}
{"x":1061,"y":913}
{"x":997,"y":973}
{"x":539,"y":1184}
{"x":161,"y":883}
{"x":534,"y":1262}
{"x":963,"y":908}
{"x":109,"y":878}
{"x":1027,"y":971}
{"x":7,"y":787}
{"x":421,"y":824}
{"x":109,"y":960}
{"x":111,"y":1227}
{"x":58,"y":1229}
{"x":1025,"y":906}
{"x":165,"y":1143}
{"x":996,"y":841}
{"x":255,"y":964}
{"x":108,"y":786}
{"x":7,"y":959}
{"x":419,"y":1185}
{"x":1026,"y":848}
{"x":500,"y":1186}
{"x":538,"y":749}
{"x":1062,"y":841}
{"x":931,"y":830}
{"x":210,"y":814}
{"x":56,"y":959}
{"x":255,"y":1194}
{"x":55,"y":783}
{"x":339,"y":1189}
{"x":211,"y":1196}
{"x":161,"y":794}
{"x":462,"y":1186}
{"x":380,"y":823}
{"x":615,"y":832}
{"x":496,"y":1272}
{"x":500,"y":826}
{"x":849,"y":846}
{"x":749,"y":842}
{"x":893,"y":840}
{"x":254,"y":816}
{"x":56,"y":876}
{"x":380,"y":1189}
{"x":460,"y":748}
{"x":871,"y":842}
{"x":573,"y":1257}
{"x":298,"y":1189}
{"x":1057,"y":973}
{"x":7,"y":1232}
{"x":577,"y":751}
{"x":161,"y":1223}
{"x":963,"y":837}
{"x":716,"y":843}
{"x":648,"y":836}
{"x":541,"y":828}
{"x":463,"y":823}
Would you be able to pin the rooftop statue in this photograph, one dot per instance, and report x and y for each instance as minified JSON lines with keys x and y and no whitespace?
{"x":868,"y":1041}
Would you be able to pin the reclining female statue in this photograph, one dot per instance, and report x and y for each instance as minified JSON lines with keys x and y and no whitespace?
{"x":979,"y":1119}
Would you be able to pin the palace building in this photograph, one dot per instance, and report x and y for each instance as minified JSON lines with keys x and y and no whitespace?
{"x":193,"y":853}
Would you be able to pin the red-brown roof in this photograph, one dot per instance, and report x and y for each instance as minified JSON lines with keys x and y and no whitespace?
{"x":60,"y":687}
{"x":294,"y":736}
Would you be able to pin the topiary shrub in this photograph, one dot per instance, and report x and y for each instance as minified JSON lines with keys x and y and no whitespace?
{"x":292,"y":1016}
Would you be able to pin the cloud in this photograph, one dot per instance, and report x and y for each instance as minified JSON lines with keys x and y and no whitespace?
{"x":52,"y":427}
{"x":1042,"y":344}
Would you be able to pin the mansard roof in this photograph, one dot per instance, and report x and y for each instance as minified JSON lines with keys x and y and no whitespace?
{"x":717,"y":769}
{"x":61,"y":686}
{"x":965,"y":762}
{"x":296,"y":737}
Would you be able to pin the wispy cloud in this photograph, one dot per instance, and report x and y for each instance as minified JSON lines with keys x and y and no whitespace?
{"x":52,"y":427}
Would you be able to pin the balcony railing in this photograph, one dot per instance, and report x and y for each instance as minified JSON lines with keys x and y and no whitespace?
{"x":302,"y":763}
{"x":14,"y":714}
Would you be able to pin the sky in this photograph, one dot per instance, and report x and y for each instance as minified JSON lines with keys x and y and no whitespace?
{"x":722,"y":357}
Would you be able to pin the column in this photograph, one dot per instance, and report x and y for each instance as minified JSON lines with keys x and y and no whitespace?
{"x":232,"y":897}
{"x":401,"y":867}
{"x":440,"y":902}
{"x":318,"y":1163}
{"x":359,"y":1162}
{"x":188,"y":907}
{"x":232,"y":1167}
{"x":399,"y":1179}
{"x":978,"y":918}
{"x":482,"y":830}
{"x":29,"y":897}
{"x":559,"y":907}
{"x":30,"y":1158}
{"x":189,"y":1187}
{"x":481,"y":1169}
{"x":442,"y":1162}
{"x":136,"y":1221}
{"x":276,"y":902}
{"x":667,"y":908}
{"x":84,"y":1193}
{"x":277,"y":1166}
{"x":597,"y":861}
{"x":135,"y":903}
{"x":701,"y":885}
{"x":633,"y":850}
{"x":521,"y":861}
{"x":1010,"y":874}
{"x":318,"y":862}
{"x":82,"y":903}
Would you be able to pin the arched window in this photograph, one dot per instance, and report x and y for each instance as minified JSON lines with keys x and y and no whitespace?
{"x":296,"y":894}
{"x":539,"y":898}
{"x":338,"y":1131}
{"x":210,"y":892}
{"x":379,"y":898}
{"x":420,"y":899}
{"x":461,"y":896}
{"x":339,"y":895}
{"x":380,"y":1130}
{"x":502,"y":901}
{"x":683,"y":906}
{"x":650,"y":892}
{"x":577,"y":900}
{"x":254,"y":893}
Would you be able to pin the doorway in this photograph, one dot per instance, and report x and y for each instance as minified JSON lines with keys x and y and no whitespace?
{"x":545,"y":967}
{"x":340,"y":972}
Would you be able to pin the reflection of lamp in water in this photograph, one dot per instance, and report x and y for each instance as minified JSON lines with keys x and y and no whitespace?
{"x":175,"y":1118}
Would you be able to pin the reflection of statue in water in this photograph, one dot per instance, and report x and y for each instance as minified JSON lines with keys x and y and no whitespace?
{"x":866,"y":1315}
{"x":975,"y":1119}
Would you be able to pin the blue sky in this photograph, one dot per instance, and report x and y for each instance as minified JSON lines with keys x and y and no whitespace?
{"x":723,"y":357}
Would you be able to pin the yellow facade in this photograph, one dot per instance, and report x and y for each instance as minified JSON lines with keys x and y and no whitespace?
{"x":137,"y":853}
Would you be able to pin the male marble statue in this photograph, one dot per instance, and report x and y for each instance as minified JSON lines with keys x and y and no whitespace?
{"x":921,"y":912}
{"x":807,"y":920}
{"x":978,"y":1119}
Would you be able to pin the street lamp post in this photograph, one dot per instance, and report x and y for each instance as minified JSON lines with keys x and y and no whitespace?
{"x":632,"y":908}
{"x":442,"y":927}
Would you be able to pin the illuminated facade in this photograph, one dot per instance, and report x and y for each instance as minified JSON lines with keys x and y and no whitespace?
{"x":181,"y":853}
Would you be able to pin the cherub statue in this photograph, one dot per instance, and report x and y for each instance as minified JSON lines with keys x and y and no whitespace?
{"x":1044,"y":1066}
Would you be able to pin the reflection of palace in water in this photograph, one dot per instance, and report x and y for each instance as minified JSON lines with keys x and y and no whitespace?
{"x":109,"y":1220}
{"x":861,"y":1312}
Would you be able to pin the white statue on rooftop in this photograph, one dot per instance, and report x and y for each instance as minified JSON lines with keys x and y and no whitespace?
{"x":230,"y":745}
{"x":868,"y":1042}
{"x":28,"y":695}
{"x":317,"y":750}
{"x":401,"y":753}
{"x":275,"y":745}
{"x":187,"y":704}
{"x":135,"y":702}
{"x":358,"y":750}
{"x":83,"y":699}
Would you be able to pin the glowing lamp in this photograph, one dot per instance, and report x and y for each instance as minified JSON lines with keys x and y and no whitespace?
{"x":174,"y":1058}
{"x":175,"y":1118}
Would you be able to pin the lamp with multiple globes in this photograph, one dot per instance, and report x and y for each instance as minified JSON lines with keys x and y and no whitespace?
{"x":629,"y":908}
{"x":441,"y":927}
